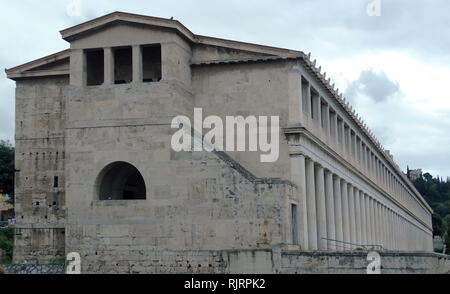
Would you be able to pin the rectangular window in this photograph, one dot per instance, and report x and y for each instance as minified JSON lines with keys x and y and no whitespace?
{"x":55,"y":182}
{"x":314,"y":104}
{"x":353,"y":143}
{"x":333,"y":121}
{"x":151,"y":63}
{"x":123,"y":65}
{"x":95,"y":69}
{"x":323,"y":115}
{"x":347,"y":138}
{"x":305,"y":96}
{"x":363,"y":155}
{"x":358,"y":149}
{"x":340,"y":129}
{"x":294,"y":224}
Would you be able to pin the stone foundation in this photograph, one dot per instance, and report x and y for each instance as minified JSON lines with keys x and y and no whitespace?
{"x":275,"y":261}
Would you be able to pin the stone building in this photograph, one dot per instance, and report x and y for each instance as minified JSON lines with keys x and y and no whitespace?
{"x":97,"y":174}
{"x":415,"y":174}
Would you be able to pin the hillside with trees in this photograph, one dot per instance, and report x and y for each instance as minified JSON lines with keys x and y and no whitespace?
{"x":436,"y":192}
{"x":7,"y":171}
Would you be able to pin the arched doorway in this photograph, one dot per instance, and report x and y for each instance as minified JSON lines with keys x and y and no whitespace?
{"x":120,"y":181}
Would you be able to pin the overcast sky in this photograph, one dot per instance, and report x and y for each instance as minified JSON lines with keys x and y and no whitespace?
{"x":395,"y":68}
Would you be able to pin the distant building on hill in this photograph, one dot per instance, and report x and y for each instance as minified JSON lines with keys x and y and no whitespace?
{"x":415,"y":174}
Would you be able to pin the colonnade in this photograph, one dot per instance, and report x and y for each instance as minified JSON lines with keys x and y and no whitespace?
{"x":339,"y":215}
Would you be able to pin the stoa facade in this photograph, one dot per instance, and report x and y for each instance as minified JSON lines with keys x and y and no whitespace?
{"x":96,"y":173}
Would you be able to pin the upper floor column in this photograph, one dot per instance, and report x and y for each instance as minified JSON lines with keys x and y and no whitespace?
{"x":137,"y":64}
{"x":77,"y":68}
{"x":109,"y":66}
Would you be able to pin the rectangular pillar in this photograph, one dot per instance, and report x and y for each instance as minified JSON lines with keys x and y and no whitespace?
{"x":77,"y":68}
{"x":108,"y":66}
{"x":137,"y":64}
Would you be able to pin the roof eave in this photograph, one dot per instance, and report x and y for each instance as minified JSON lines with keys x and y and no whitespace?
{"x":15,"y":72}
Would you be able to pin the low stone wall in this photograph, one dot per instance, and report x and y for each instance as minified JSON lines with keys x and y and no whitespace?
{"x":357,"y":263}
{"x":275,"y":261}
{"x":35,"y":269}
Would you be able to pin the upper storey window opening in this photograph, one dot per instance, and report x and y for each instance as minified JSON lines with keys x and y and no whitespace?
{"x":95,"y":67}
{"x":151,"y":63}
{"x":123,"y":65}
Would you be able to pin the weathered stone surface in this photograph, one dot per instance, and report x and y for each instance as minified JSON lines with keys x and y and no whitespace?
{"x":269,"y":261}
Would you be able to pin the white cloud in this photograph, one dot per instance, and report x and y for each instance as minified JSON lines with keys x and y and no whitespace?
{"x":408,"y":46}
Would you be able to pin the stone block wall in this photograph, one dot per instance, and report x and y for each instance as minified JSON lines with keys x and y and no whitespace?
{"x":215,"y":207}
{"x":39,"y":161}
{"x":356,"y":263}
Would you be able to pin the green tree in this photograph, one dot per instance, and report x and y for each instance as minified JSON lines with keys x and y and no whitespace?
{"x":7,"y":244}
{"x":437,"y":225}
{"x":447,"y":236}
{"x":7,"y":168}
{"x":437,"y":193}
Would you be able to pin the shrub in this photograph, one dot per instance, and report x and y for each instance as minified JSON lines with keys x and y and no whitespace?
{"x":7,"y":244}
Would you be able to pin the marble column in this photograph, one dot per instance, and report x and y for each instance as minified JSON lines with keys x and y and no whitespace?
{"x":303,"y":204}
{"x":368,"y":220}
{"x":403,"y":243}
{"x":311,"y":205}
{"x":380,"y":224}
{"x":298,"y":176}
{"x":321,"y":208}
{"x":345,"y":214}
{"x":389,"y":226}
{"x":377,"y":224}
{"x":329,"y":199}
{"x":352,"y":215}
{"x":362,"y":208}
{"x":383,"y":226}
{"x":396,"y":231}
{"x":391,"y":230}
{"x":386,"y":229}
{"x":372,"y":223}
{"x":358,"y":216}
{"x":338,"y":212}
